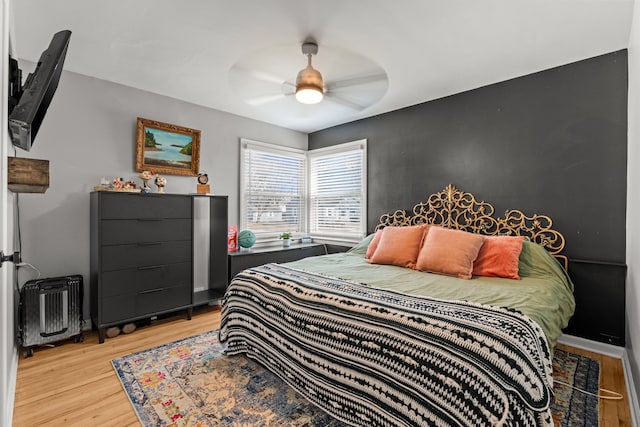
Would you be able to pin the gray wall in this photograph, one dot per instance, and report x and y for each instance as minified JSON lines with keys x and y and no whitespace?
{"x":90,"y":132}
{"x":554,"y":142}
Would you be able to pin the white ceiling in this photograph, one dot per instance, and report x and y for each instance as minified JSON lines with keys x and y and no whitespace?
{"x":428,"y":48}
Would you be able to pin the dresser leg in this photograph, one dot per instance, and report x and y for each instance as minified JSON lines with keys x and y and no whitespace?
{"x":101,"y":335}
{"x":189,"y":313}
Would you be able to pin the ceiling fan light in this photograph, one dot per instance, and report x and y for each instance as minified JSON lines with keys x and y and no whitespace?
{"x":309,"y":94}
{"x":309,"y":85}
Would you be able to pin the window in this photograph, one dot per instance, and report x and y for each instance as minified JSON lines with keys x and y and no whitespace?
{"x":320,"y":192}
{"x":273,"y":188}
{"x":337,"y":191}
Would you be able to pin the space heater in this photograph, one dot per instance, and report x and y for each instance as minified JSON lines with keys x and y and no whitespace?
{"x":50,"y":310}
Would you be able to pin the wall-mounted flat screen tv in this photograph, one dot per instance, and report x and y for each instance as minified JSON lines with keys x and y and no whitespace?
{"x":28,"y":103}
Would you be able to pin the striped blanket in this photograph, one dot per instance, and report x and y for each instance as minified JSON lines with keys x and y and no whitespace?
{"x":372,"y":357}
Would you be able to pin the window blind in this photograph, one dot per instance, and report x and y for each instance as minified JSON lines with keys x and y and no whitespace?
{"x":273,"y":189}
{"x":337,"y":191}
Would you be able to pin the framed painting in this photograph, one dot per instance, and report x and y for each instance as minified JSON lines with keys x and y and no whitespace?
{"x":167,"y":149}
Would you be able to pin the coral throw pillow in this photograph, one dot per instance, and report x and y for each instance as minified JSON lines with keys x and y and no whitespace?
{"x":499,"y":257}
{"x":373,"y":245}
{"x":399,"y":246}
{"x":449,"y":252}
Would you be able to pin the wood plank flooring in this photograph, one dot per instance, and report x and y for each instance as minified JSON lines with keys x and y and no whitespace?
{"x":75,"y":384}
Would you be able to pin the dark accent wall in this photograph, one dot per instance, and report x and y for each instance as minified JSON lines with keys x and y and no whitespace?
{"x":553,"y":142}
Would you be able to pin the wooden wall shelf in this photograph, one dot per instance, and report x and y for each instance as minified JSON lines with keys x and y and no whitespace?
{"x":27,"y":175}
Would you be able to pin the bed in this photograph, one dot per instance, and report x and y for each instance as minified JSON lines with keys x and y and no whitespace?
{"x":376,"y":344}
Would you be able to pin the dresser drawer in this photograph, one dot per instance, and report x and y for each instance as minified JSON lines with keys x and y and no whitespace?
{"x":123,"y":231}
{"x":120,"y":257}
{"x":146,"y":303}
{"x":144,"y":206}
{"x":133,"y":280}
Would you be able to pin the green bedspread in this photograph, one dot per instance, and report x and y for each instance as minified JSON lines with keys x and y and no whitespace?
{"x":545,"y":293}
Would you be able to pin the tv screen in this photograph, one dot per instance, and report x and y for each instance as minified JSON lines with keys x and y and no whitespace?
{"x":30,"y":102}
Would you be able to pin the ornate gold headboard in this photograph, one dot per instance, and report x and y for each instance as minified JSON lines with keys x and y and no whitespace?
{"x":453,"y":208}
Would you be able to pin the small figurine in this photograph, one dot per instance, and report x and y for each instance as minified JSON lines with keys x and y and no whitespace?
{"x":145,"y":176}
{"x":118,"y":182}
{"x":161,"y":181}
{"x":129,"y":185}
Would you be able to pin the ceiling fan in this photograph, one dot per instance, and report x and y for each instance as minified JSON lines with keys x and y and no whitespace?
{"x":345,"y":85}
{"x":309,"y":83}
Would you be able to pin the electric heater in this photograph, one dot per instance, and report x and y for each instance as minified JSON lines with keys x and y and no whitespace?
{"x":50,"y":310}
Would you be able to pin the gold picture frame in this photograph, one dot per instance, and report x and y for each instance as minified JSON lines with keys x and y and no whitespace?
{"x":167,"y":149}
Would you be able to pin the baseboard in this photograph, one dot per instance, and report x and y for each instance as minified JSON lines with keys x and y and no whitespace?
{"x":590,"y":345}
{"x":11,"y":389}
{"x":634,"y":404}
{"x":618,"y":353}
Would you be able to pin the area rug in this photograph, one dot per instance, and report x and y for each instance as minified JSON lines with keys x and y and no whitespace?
{"x":570,"y":407}
{"x":191,"y":382}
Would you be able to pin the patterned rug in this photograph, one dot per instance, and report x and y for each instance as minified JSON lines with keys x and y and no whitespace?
{"x":191,"y":383}
{"x":572,"y":408}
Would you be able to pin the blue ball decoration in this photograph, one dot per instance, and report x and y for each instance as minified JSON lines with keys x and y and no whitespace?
{"x":246,"y":239}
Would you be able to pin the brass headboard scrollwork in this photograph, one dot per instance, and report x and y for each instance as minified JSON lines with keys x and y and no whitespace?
{"x":453,"y":208}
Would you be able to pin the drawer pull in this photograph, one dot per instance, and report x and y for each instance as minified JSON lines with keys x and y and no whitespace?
{"x":149,"y":219}
{"x":151,"y":267}
{"x":149,"y":244}
{"x":150,"y":291}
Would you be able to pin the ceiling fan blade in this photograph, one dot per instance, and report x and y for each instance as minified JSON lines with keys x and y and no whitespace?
{"x":260,"y":75}
{"x":355,"y":81}
{"x":261,"y":100}
{"x":342,"y":101}
{"x":288,"y":88}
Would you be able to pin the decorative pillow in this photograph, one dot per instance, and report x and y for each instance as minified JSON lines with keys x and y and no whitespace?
{"x":374,"y":244}
{"x":450,"y":252}
{"x":499,"y":257}
{"x":399,"y":246}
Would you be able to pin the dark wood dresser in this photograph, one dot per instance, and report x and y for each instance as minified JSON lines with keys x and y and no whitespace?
{"x":142,"y":256}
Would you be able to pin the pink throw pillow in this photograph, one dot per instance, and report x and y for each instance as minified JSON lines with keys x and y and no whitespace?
{"x":450,"y":252}
{"x":399,"y":246}
{"x":373,"y":245}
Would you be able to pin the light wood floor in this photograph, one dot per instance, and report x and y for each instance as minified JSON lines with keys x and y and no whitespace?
{"x":75,"y":384}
